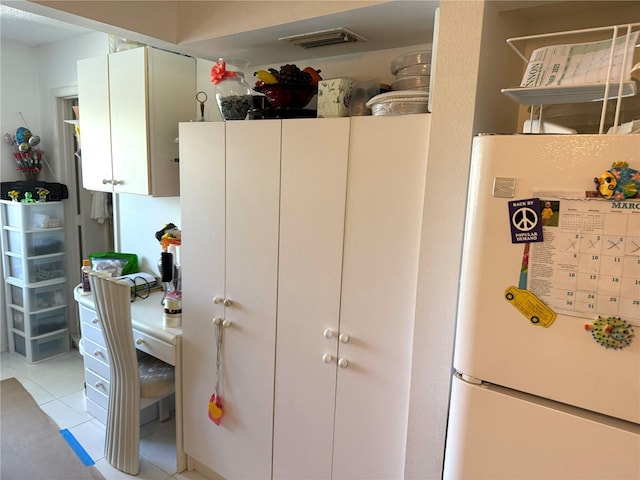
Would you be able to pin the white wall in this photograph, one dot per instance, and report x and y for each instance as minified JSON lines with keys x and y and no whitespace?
{"x":19,"y":92}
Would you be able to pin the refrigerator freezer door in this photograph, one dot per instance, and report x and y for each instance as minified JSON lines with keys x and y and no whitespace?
{"x":494,"y":341}
{"x":496,"y":435}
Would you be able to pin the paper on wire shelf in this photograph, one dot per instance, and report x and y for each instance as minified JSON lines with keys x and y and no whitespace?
{"x":581,"y":63}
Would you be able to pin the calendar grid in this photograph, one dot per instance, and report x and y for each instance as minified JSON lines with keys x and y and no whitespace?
{"x":589,"y":264}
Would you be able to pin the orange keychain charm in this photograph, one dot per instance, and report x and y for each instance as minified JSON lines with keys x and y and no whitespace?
{"x":215,"y":409}
{"x":215,"y":403}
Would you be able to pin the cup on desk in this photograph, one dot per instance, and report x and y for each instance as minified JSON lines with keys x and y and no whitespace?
{"x":172,"y":311}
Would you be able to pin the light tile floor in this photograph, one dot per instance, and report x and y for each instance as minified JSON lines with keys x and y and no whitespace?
{"x":57,"y":385}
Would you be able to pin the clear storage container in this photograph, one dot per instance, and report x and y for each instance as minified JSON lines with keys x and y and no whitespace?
{"x":42,"y":347}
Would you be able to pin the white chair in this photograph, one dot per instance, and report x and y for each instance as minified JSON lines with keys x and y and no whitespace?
{"x":131,"y":378}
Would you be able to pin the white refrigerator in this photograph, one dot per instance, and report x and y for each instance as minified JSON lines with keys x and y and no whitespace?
{"x":543,"y":389}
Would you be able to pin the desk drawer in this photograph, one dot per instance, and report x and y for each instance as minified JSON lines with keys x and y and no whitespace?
{"x":97,"y":397}
{"x":97,"y":382}
{"x":97,"y":411}
{"x":154,"y":347}
{"x":96,"y":359}
{"x":94,"y":334}
{"x":88,"y":316}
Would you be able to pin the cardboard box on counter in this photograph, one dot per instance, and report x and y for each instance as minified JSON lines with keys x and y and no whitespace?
{"x":334,"y":96}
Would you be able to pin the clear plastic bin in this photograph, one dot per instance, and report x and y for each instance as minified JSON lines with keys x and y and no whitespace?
{"x":44,"y":347}
{"x":39,"y":269}
{"x":36,"y":215}
{"x":47,"y":322}
{"x":37,"y":243}
{"x":16,"y":298}
{"x":17,"y":320}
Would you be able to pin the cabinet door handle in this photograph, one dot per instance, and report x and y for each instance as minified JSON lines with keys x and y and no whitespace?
{"x":219,"y":300}
{"x":343,"y":363}
{"x":329,"y":334}
{"x":344,"y":338}
{"x":327,"y":358}
{"x":224,"y":323}
{"x":117,"y":182}
{"x":106,"y":181}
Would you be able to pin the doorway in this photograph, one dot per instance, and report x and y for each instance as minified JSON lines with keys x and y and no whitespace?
{"x":87,"y":214}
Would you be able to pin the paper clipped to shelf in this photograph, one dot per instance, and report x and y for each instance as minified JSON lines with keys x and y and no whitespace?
{"x":581,"y":63}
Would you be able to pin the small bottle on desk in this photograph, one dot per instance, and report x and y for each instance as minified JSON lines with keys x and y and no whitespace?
{"x":86,"y":268}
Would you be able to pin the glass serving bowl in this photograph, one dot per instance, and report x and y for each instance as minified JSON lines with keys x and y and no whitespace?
{"x":287,"y":96}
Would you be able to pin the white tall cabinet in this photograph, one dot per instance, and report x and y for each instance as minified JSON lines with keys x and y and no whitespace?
{"x":230,"y":177}
{"x":310,"y":228}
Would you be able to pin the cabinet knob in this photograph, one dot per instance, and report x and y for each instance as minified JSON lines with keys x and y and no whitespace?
{"x":139,"y":341}
{"x":329,"y":334}
{"x":97,"y":353}
{"x":98,"y":384}
{"x":344,"y":338}
{"x":117,"y":182}
{"x":106,"y":181}
{"x":219,"y":300}
{"x":95,"y":320}
{"x":217,"y":321}
{"x":343,"y":363}
{"x":226,"y":323}
{"x":327,"y":358}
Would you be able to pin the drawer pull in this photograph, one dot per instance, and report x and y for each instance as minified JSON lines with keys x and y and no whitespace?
{"x":139,"y":341}
{"x":97,"y":353}
{"x":95,"y":320}
{"x":98,"y":384}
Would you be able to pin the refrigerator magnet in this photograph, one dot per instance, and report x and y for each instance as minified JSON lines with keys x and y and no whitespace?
{"x":526,"y":221}
{"x":611,"y":332}
{"x":619,"y":182}
{"x":534,"y":309}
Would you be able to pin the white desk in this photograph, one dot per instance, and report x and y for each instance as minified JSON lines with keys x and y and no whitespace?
{"x":150,"y":336}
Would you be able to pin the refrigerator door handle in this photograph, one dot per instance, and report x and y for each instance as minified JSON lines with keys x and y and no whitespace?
{"x":469,"y":378}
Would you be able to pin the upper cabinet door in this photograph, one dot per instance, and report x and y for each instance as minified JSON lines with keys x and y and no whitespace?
{"x":133,"y":102}
{"x":129,"y":121}
{"x":95,"y":123}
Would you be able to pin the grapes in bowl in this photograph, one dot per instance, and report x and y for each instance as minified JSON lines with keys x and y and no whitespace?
{"x":288,"y":87}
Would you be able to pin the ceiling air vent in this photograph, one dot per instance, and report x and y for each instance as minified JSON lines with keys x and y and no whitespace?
{"x":323,"y":38}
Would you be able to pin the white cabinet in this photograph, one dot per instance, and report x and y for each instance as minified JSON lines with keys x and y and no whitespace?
{"x":130,"y":106}
{"x":33,"y":257}
{"x":230,"y":204}
{"x":346,"y":298}
{"x":311,"y":229}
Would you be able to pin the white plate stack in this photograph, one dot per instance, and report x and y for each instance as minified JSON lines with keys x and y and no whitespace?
{"x":412,"y":71}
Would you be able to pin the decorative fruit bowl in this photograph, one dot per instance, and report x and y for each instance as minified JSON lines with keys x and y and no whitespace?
{"x":287,"y":96}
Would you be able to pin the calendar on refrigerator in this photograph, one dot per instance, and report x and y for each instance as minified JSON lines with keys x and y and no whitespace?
{"x":589,"y":261}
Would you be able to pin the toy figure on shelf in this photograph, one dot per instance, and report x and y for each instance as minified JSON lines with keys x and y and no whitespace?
{"x":618,"y":183}
{"x":13,"y":195}
{"x":42,"y":194}
{"x":28,"y":198}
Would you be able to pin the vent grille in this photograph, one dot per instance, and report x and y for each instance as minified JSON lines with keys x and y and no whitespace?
{"x":323,"y":38}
